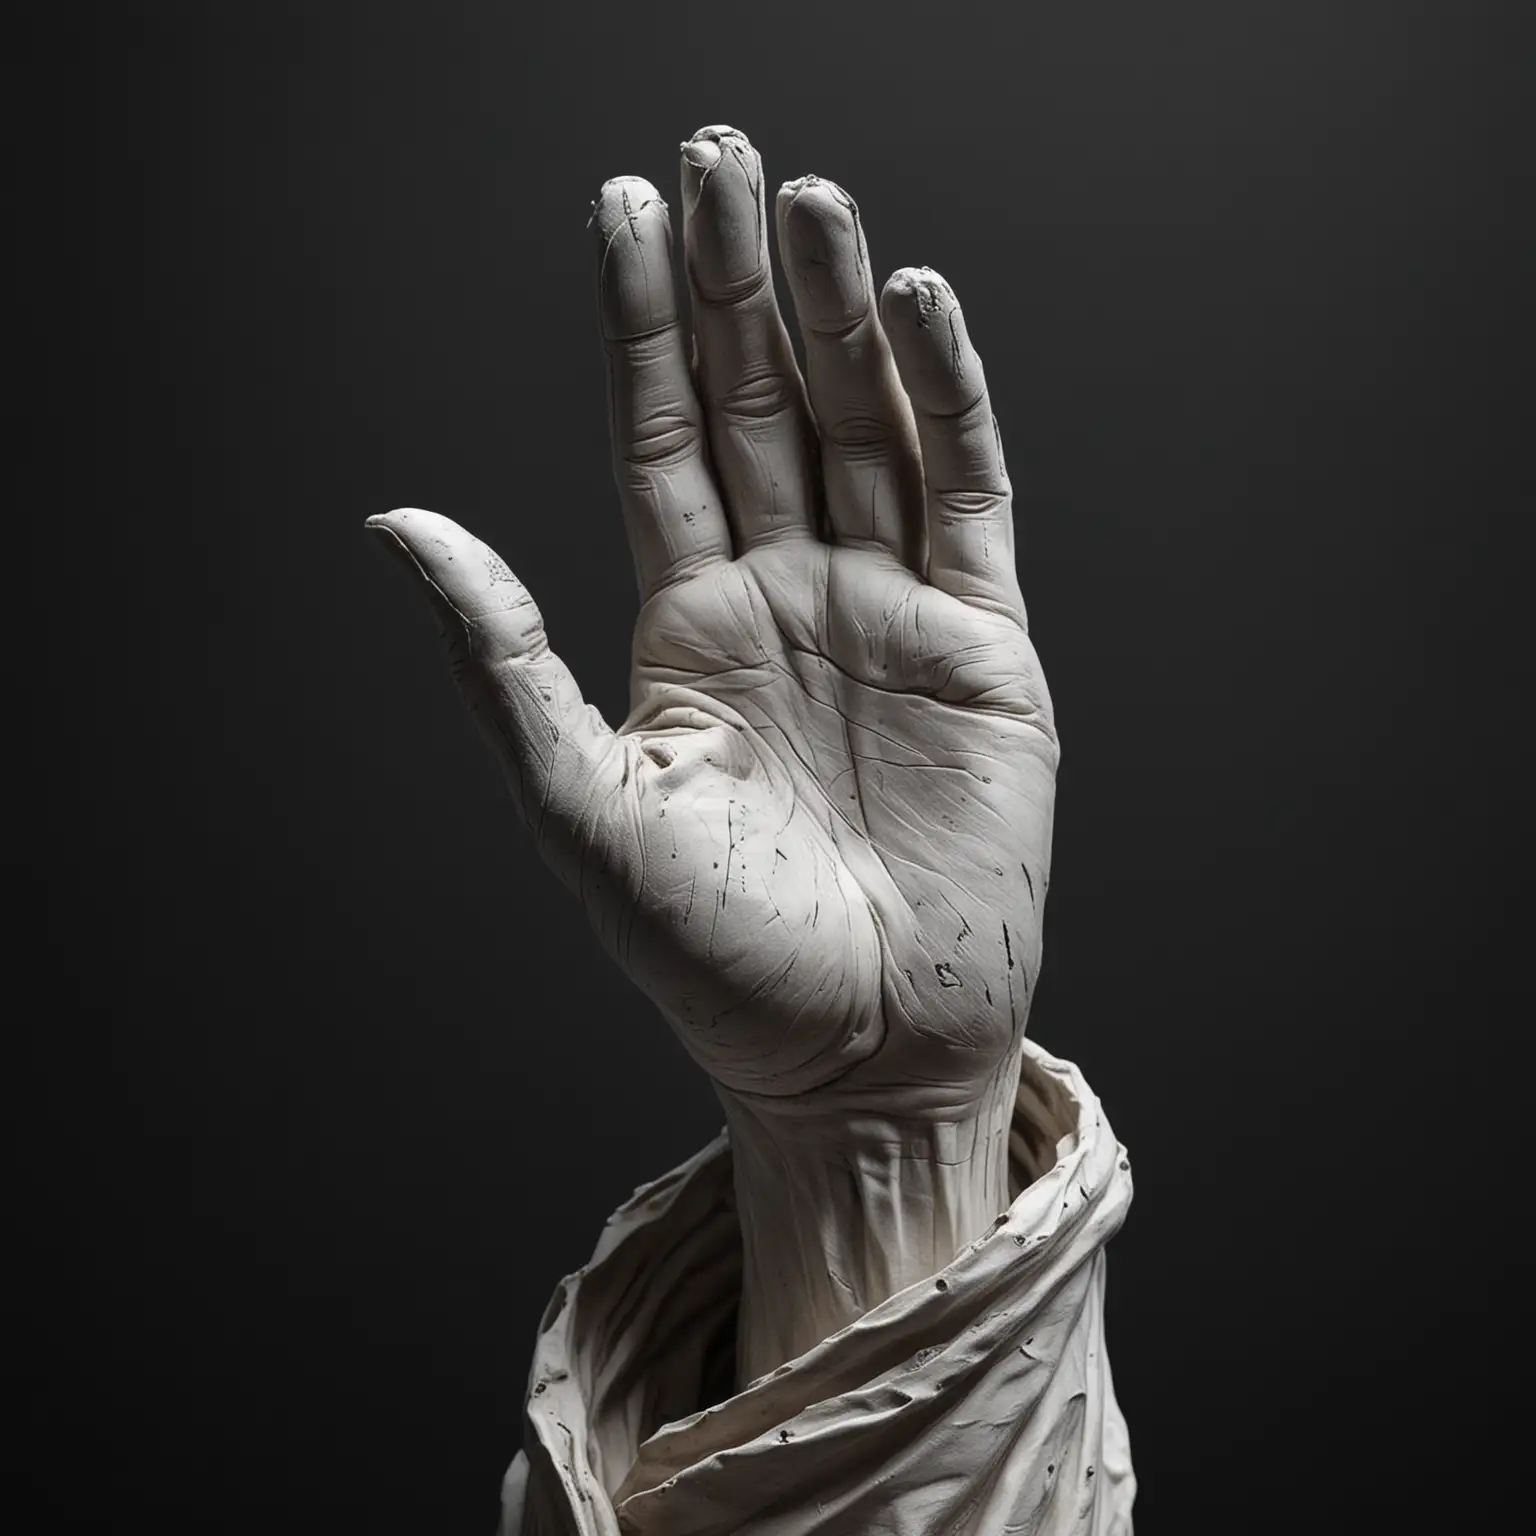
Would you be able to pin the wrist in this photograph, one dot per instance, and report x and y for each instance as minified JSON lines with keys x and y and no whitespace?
{"x":841,"y":1206}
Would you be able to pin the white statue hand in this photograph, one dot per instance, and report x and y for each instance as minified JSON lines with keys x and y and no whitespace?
{"x":821,"y":840}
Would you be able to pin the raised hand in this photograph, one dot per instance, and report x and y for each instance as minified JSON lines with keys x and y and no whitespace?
{"x":821,"y":840}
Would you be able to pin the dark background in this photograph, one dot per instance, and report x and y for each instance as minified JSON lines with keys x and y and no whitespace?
{"x":320,"y":1082}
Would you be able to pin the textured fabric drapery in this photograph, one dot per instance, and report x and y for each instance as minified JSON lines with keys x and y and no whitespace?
{"x":975,"y":1403}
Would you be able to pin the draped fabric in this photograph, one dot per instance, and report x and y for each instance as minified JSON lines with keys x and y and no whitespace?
{"x":976,"y":1403}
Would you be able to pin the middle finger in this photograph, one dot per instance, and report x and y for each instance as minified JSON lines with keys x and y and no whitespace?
{"x":760,"y":430}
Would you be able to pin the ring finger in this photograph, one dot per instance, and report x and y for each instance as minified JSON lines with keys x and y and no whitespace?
{"x":870,"y":462}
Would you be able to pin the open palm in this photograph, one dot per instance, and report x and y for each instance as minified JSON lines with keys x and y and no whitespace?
{"x":821,"y":840}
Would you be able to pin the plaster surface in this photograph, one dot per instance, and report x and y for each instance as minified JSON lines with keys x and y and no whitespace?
{"x":820,"y":844}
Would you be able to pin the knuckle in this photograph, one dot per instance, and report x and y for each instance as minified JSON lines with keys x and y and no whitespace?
{"x":758,"y":397}
{"x":969,"y":502}
{"x":860,"y":439}
{"x":660,"y":440}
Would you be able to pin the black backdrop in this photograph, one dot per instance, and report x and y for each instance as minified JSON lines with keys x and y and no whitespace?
{"x":322,"y":1083}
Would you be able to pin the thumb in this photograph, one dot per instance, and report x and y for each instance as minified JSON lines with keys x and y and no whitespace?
{"x":550,"y":742}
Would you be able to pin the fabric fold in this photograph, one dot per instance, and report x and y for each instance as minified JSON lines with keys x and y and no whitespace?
{"x":978,"y":1401}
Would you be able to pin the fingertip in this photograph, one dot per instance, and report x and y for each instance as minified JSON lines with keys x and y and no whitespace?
{"x":392,"y":520}
{"x":822,"y":245}
{"x":708,"y":150}
{"x":401,"y":536}
{"x":792,"y":189}
{"x":916,"y":294}
{"x":939,"y":366}
{"x":816,"y":193}
{"x":634,"y":235}
{"x":395,"y":532}
{"x":704,"y":148}
{"x":623,"y":197}
{"x":810,"y":206}
{"x":414,"y":527}
{"x":723,"y":210}
{"x":464,"y":570}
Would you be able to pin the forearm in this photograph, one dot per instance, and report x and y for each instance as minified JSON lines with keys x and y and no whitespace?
{"x":840,"y":1212}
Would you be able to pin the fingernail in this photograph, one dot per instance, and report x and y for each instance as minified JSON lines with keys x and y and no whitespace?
{"x":634,"y":274}
{"x":824,"y":249}
{"x":722,"y":180}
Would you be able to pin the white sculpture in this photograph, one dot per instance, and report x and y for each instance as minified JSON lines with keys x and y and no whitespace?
{"x":820,"y":844}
